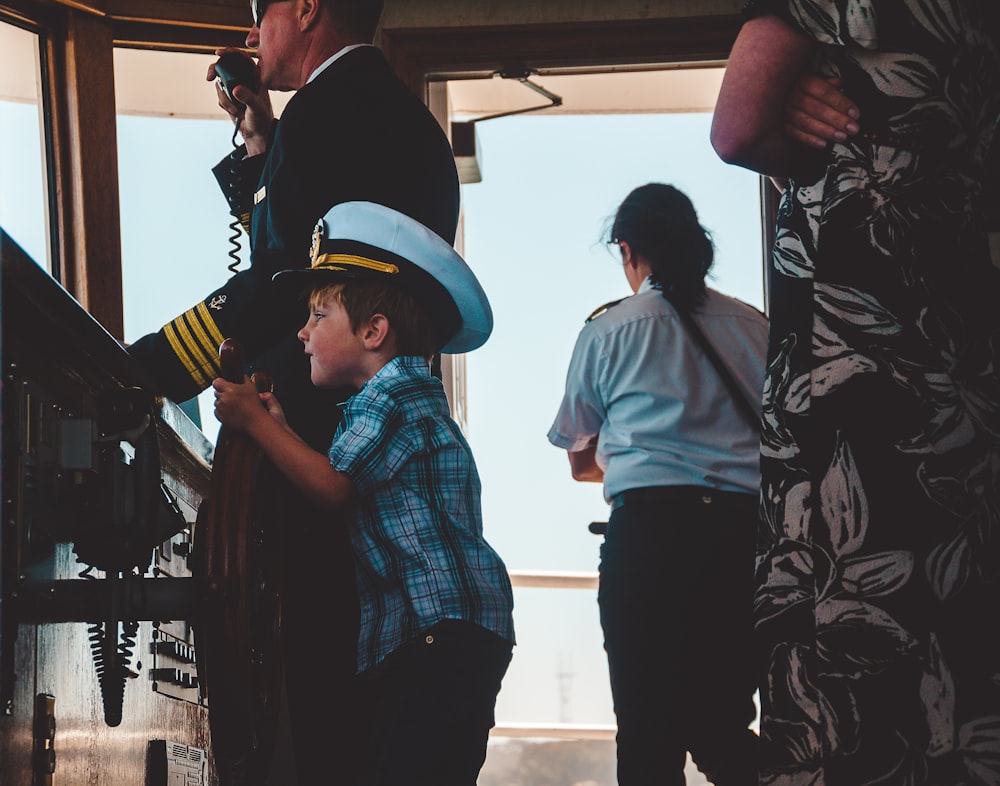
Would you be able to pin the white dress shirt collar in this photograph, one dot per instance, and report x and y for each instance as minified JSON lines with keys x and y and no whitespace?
{"x":326,"y":63}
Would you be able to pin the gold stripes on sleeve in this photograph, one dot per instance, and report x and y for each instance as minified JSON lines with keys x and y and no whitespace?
{"x":195,"y":338}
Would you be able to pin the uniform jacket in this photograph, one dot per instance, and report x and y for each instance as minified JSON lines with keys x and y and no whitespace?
{"x":356,"y":132}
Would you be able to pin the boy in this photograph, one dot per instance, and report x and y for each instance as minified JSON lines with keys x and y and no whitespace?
{"x":436,"y":626}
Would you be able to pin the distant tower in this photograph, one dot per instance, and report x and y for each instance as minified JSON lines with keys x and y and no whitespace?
{"x":564,"y":675}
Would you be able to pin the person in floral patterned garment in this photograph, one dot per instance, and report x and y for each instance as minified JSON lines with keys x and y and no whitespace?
{"x":878,"y":563}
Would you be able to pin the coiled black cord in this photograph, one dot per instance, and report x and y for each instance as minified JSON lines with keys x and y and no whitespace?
{"x":234,"y":241}
{"x":112,"y":657}
{"x":235,"y":227}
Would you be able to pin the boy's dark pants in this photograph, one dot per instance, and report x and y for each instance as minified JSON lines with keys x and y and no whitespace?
{"x":676,"y":607}
{"x":429,"y":707}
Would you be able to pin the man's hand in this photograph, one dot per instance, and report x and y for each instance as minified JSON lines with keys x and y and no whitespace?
{"x":253,"y":116}
{"x":818,"y":112}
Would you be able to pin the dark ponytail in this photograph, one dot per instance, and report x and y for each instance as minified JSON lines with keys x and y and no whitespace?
{"x":661,"y":225}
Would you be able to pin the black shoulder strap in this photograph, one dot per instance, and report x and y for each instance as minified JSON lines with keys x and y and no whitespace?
{"x":750,"y":410}
{"x":603,"y":308}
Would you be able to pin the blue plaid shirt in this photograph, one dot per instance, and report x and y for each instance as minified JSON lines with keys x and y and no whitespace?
{"x":417,"y":527}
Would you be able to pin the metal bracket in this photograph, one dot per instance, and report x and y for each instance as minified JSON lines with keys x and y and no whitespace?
{"x":521,"y":73}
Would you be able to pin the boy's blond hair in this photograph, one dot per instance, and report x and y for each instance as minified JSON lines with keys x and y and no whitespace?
{"x":412,"y":329}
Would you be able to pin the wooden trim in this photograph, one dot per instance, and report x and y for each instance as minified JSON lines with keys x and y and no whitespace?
{"x":49,"y":23}
{"x":60,"y":179}
{"x":93,"y":268}
{"x":770,"y":201}
{"x":419,"y":54}
{"x":151,"y":24}
{"x":145,"y":35}
{"x":167,"y":24}
{"x":205,"y":14}
{"x":28,"y":11}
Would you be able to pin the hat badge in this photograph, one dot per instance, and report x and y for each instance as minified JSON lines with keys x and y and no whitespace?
{"x":317,"y":237}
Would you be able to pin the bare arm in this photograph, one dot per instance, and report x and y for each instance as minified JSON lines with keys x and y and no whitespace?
{"x":748,"y":126}
{"x":239,"y":407}
{"x":583,"y":465}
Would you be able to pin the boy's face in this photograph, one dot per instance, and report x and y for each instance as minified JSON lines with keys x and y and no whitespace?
{"x":336,"y":353}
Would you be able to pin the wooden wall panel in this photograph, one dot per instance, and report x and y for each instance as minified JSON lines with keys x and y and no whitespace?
{"x":93,"y":274}
{"x":417,"y":52}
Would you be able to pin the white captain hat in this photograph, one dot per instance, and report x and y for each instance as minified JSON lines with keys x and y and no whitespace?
{"x":365,"y":240}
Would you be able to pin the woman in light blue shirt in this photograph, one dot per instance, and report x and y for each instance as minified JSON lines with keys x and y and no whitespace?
{"x":647,"y":412}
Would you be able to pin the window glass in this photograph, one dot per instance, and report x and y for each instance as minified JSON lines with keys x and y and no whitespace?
{"x":23,"y":174}
{"x":175,"y":235}
{"x":558,"y":674}
{"x":179,"y":242}
{"x":175,"y":221}
{"x":534,"y":230}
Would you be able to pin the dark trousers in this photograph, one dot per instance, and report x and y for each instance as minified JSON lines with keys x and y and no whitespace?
{"x":429,"y":707}
{"x":676,"y":602}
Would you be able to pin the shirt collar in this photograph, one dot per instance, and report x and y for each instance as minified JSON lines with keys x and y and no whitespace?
{"x":403,"y":365}
{"x":326,"y":63}
{"x":399,"y":366}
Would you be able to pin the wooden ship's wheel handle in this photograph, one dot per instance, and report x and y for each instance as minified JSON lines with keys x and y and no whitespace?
{"x":237,"y":637}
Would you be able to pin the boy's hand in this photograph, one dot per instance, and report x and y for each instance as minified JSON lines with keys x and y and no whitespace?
{"x":818,"y":112}
{"x":273,"y":406}
{"x":239,"y":406}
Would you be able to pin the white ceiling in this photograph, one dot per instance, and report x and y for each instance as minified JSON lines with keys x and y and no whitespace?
{"x":632,"y":92}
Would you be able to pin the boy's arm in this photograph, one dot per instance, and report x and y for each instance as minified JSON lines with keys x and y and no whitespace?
{"x":240,"y":407}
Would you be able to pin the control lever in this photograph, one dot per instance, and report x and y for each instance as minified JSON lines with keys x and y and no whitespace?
{"x":137,"y":510}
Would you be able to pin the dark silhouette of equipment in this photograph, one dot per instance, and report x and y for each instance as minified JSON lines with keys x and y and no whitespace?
{"x":83,"y":441}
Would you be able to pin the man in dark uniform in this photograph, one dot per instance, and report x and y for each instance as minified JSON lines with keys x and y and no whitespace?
{"x":353,"y":131}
